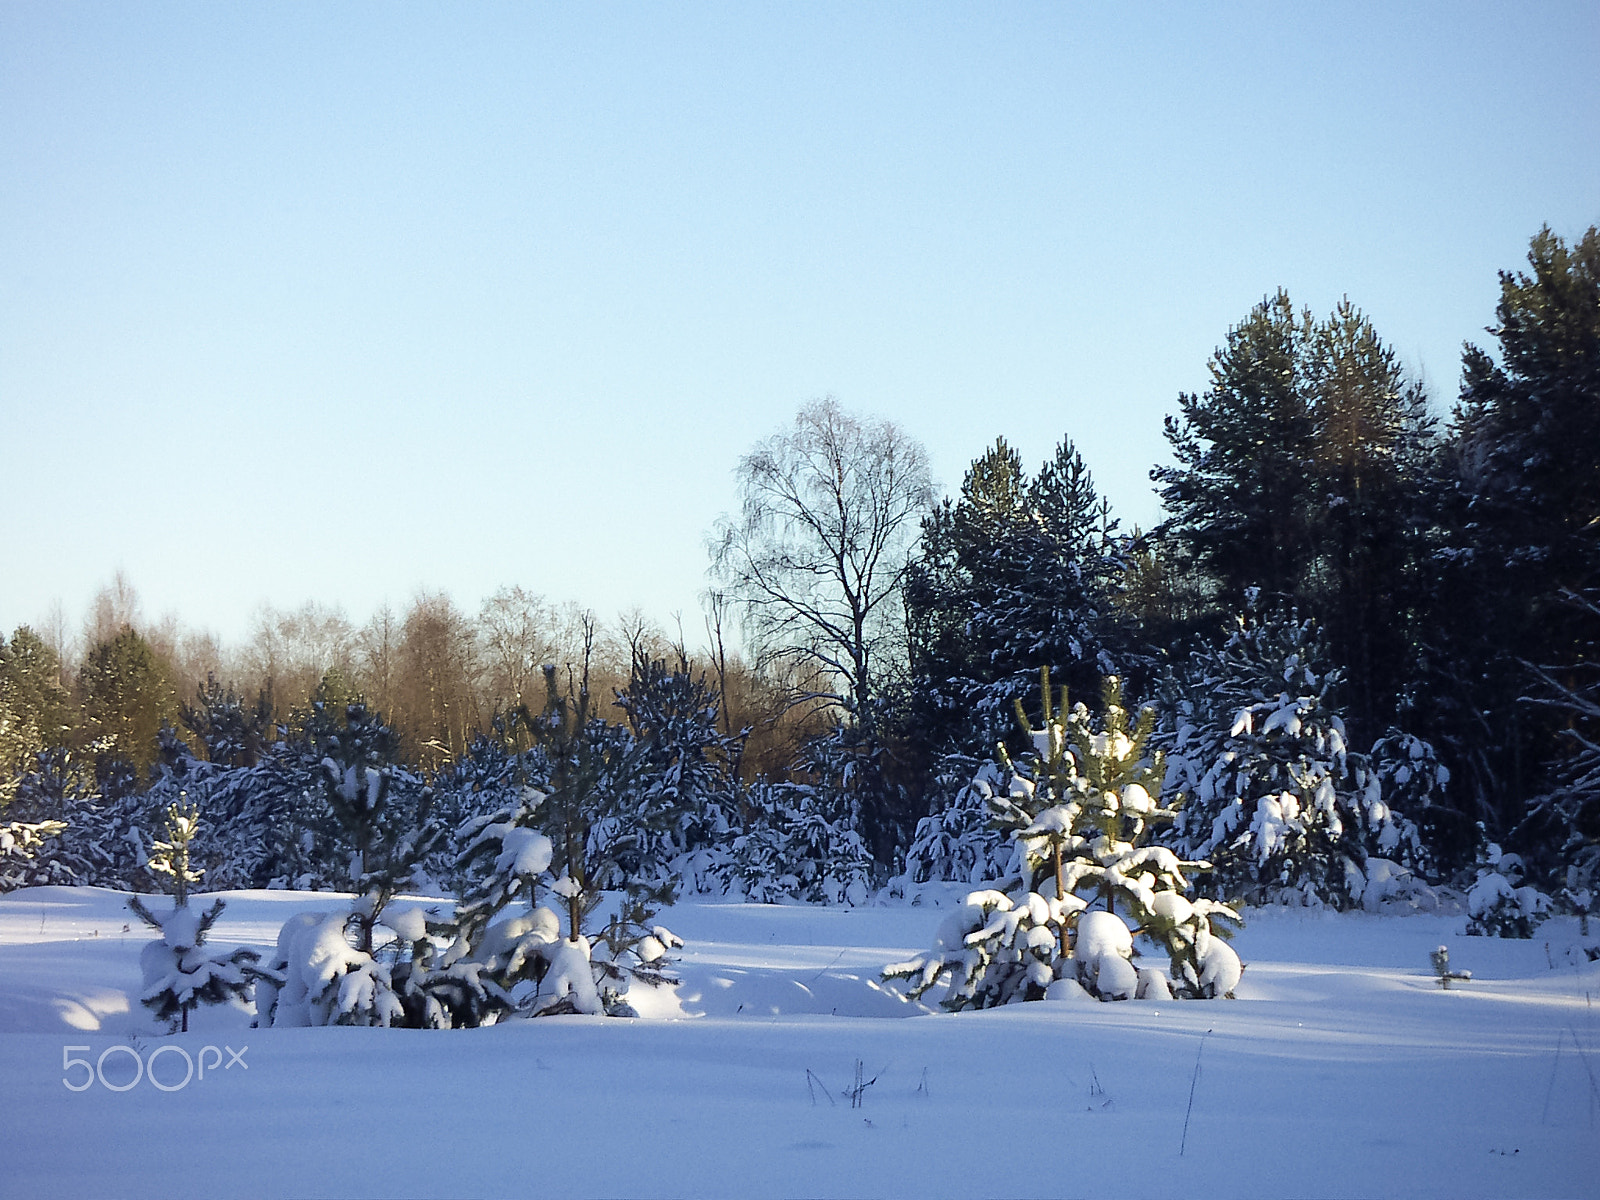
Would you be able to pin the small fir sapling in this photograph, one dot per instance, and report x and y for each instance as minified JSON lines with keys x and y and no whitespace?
{"x":20,"y":842}
{"x":1500,"y":904}
{"x":179,"y":973}
{"x":957,"y":843}
{"x":352,"y":967}
{"x":1440,"y":959}
{"x":1095,"y":845}
{"x":570,"y":838}
{"x":1079,"y":810}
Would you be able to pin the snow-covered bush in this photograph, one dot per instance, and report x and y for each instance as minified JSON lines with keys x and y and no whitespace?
{"x":100,"y":843}
{"x":20,"y":843}
{"x":1274,"y":798}
{"x":318,"y":976}
{"x":993,"y":950}
{"x":959,"y":843}
{"x":1500,"y":904}
{"x":179,"y":973}
{"x":1392,"y":887}
{"x":1080,"y":809}
{"x":574,"y":830}
{"x":799,"y":843}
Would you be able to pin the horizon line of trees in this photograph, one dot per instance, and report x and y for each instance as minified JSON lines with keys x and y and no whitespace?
{"x":1426,"y":582}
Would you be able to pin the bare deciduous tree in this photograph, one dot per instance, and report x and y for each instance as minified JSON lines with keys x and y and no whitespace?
{"x":818,"y":552}
{"x":517,"y":630}
{"x":439,"y":673}
{"x":291,"y":652}
{"x":378,"y":652}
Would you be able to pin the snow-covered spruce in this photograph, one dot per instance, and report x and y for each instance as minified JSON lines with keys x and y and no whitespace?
{"x":20,"y":843}
{"x":568,"y":835}
{"x":1500,"y":904}
{"x":959,"y":843}
{"x":101,"y":844}
{"x":1080,"y":809}
{"x":179,"y":973}
{"x":681,"y":805}
{"x":799,"y":843}
{"x":1276,"y":802}
{"x":374,"y":963}
{"x":258,"y":830}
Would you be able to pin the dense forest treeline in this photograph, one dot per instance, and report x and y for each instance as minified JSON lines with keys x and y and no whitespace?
{"x":1368,"y":627}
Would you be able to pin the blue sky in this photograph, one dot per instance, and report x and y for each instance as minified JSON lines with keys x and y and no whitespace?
{"x":336,"y":302}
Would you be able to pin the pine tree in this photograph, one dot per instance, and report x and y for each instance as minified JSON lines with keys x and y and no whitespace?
{"x":1080,"y":807}
{"x":35,"y":711}
{"x":481,"y":788}
{"x":684,"y":800}
{"x":19,"y":742}
{"x":230,"y":732}
{"x":127,"y":698}
{"x":1302,"y":471}
{"x":799,"y":842}
{"x":1277,"y":802}
{"x":179,"y":973}
{"x":1518,"y":496}
{"x":20,"y":843}
{"x":336,"y":968}
{"x":569,"y":831}
{"x":1016,"y":572}
{"x":383,"y":813}
{"x":1241,"y":495}
{"x":31,"y":672}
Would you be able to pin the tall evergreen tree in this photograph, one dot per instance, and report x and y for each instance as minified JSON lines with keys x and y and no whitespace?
{"x":1015,"y":572}
{"x":1240,"y":499}
{"x":127,"y":697}
{"x":1518,"y":500}
{"x":1374,"y":454}
{"x":37,"y":709}
{"x":1300,"y":471}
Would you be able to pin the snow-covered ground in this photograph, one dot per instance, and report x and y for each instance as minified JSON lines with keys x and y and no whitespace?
{"x":1342,"y":1069}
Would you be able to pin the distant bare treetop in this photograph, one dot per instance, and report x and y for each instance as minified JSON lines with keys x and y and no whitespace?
{"x":829,"y":512}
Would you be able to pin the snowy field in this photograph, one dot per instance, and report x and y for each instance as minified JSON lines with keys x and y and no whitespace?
{"x":1342,"y":1069}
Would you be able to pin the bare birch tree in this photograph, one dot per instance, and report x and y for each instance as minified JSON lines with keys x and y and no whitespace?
{"x":816,"y":557}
